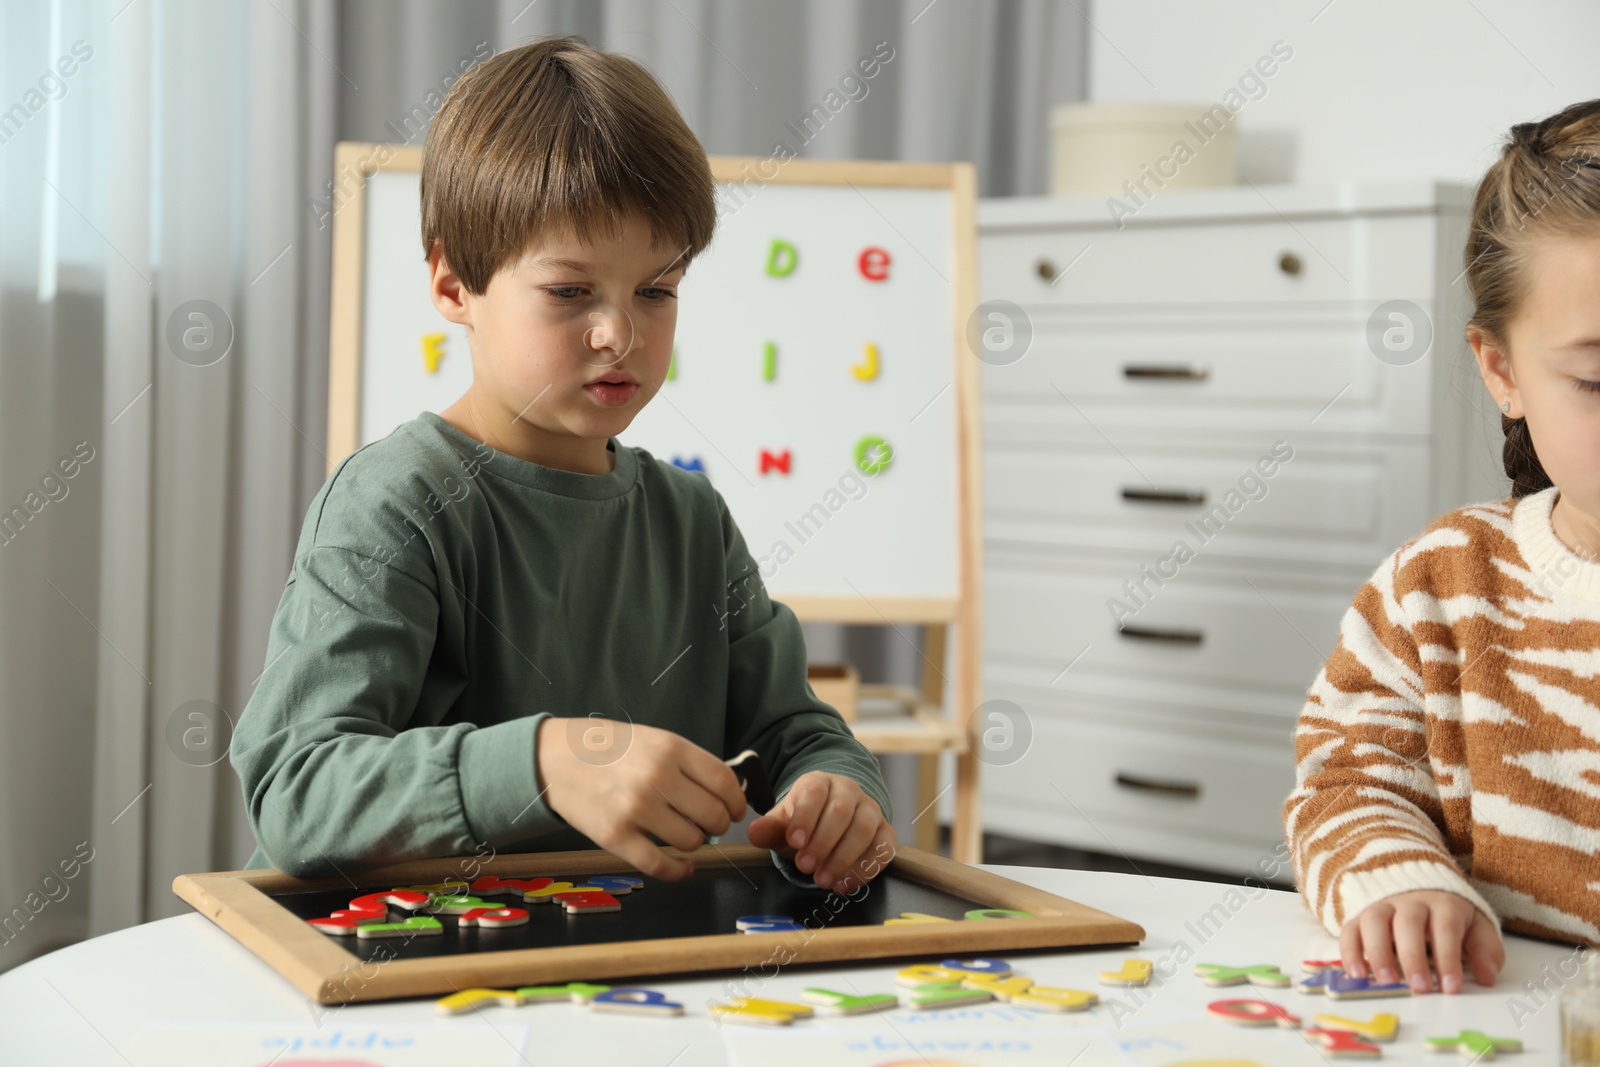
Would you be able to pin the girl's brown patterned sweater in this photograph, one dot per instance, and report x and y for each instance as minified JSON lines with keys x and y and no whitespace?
{"x":1452,"y":739}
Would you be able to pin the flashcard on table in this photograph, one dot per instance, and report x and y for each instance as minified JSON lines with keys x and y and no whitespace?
{"x":1259,"y":974}
{"x":387,"y":1045}
{"x":1341,"y":986}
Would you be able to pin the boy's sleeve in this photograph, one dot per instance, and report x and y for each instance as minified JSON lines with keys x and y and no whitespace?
{"x":333,"y":778}
{"x":1364,"y":820}
{"x":771,"y":707}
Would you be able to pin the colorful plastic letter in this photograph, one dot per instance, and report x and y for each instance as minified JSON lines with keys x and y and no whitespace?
{"x":432,"y":351}
{"x":693,"y":463}
{"x":1341,"y":986}
{"x":489,"y":885}
{"x":1474,"y":1043}
{"x":873,"y":455}
{"x":849,"y":1003}
{"x":1051,"y":998}
{"x":1317,"y":981}
{"x":417,"y":924}
{"x":494,"y":918}
{"x":769,"y":362}
{"x":344,"y":924}
{"x":908,"y":918}
{"x":409,"y":899}
{"x":927,"y":974}
{"x":744,"y":922}
{"x":1261,"y":974}
{"x":946,"y":995}
{"x":873,"y":264}
{"x":1341,"y":1043}
{"x":997,"y":913}
{"x":618,"y":885}
{"x":1001,"y":988}
{"x":473,"y":999}
{"x":588,"y":902}
{"x":768,"y":461}
{"x":544,"y":894}
{"x":781,"y":258}
{"x":867,"y":369}
{"x":985,"y":965}
{"x":1133,"y":972}
{"x":750,"y":1011}
{"x":636,"y":1001}
{"x":1381,"y":1027}
{"x":1252,"y":1013}
{"x":672,"y":364}
{"x":456,"y":905}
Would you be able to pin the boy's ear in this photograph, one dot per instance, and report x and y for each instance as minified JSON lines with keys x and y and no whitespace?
{"x":1494,"y":364}
{"x":448,"y":294}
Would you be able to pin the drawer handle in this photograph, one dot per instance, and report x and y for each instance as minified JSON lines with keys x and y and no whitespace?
{"x":1188,"y":790}
{"x":1290,"y":263}
{"x":1163,"y":496}
{"x":1151,"y":633}
{"x":1192,"y":372}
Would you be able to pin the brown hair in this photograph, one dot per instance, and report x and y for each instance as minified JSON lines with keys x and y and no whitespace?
{"x":556,"y":136}
{"x":1548,"y":174}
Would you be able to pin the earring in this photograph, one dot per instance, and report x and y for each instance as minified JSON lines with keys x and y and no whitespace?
{"x":1505,"y":407}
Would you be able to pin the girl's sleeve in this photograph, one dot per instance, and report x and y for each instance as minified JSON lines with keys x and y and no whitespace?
{"x":1365,"y":820}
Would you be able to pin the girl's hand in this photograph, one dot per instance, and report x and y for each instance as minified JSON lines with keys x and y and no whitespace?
{"x":617,"y":782}
{"x":1406,"y":925}
{"x":831,"y":828}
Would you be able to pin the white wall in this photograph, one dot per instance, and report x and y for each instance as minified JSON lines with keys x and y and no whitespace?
{"x":1375,"y":88}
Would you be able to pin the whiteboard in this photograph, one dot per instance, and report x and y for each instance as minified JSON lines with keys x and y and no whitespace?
{"x":871,"y":503}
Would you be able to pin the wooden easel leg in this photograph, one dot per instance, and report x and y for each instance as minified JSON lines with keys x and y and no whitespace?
{"x":925,"y":833}
{"x":966,"y":835}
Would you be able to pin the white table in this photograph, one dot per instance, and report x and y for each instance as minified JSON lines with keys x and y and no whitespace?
{"x":83,"y":1004}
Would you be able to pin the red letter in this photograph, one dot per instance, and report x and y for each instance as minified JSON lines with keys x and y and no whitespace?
{"x":874,"y":264}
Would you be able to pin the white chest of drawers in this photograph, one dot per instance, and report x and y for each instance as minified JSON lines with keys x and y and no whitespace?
{"x":1214,"y":331}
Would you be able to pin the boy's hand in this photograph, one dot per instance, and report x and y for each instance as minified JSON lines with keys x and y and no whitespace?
{"x":1406,"y":925}
{"x":830,"y":826}
{"x":617,"y":782}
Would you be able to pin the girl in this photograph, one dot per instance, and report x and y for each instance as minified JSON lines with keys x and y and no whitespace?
{"x":1448,"y":754}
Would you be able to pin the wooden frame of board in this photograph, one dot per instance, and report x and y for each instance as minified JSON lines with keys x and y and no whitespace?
{"x":323,"y":970}
{"x":924,"y":727}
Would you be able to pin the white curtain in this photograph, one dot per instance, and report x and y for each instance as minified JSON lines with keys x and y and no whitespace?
{"x":163,"y":336}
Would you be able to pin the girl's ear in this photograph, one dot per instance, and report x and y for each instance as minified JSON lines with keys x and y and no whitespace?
{"x":448,"y":294}
{"x":1494,"y":363}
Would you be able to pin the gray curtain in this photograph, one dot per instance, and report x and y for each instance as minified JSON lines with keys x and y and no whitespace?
{"x":184,"y":162}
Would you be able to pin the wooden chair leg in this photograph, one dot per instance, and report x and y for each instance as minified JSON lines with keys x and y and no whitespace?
{"x":925,"y":832}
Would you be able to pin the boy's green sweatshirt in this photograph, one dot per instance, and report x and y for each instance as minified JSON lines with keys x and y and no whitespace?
{"x":446,"y":597}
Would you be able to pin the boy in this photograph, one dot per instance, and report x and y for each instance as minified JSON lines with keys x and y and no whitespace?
{"x":504,"y":627}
